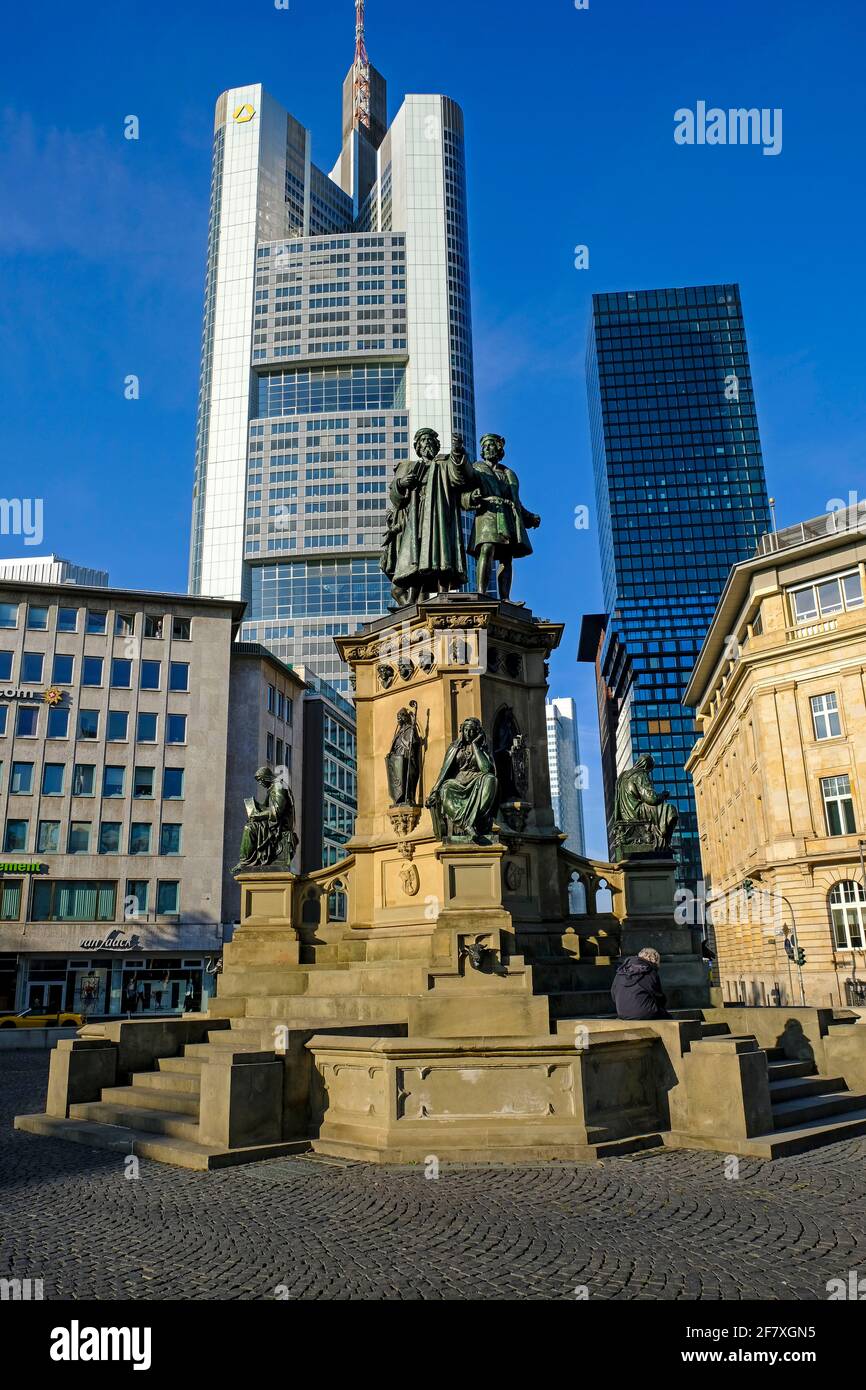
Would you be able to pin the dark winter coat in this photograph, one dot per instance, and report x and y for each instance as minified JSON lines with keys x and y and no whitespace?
{"x":637,"y":991}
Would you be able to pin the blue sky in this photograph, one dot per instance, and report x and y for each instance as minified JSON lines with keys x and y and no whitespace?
{"x":570,"y":120}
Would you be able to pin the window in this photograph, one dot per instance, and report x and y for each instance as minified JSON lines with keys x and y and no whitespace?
{"x":4,"y":712}
{"x":172,"y":784}
{"x":838,"y":805}
{"x":181,"y":629}
{"x":139,"y":839}
{"x":113,"y":779}
{"x":825,"y":716}
{"x":8,"y":614}
{"x":5,"y":666}
{"x":83,"y":779}
{"x":48,"y":837}
{"x":169,"y":839}
{"x":27,"y":724}
{"x":152,"y":626}
{"x":22,"y":779}
{"x":109,"y":837}
{"x":150,"y":675}
{"x":178,"y":676}
{"x":836,"y":595}
{"x":79,"y":837}
{"x":269,"y":745}
{"x":137,"y":894}
{"x":121,"y":673}
{"x":124,"y":624}
{"x":118,"y":726}
{"x":143,"y":783}
{"x":52,"y":779}
{"x":61,"y":900}
{"x":88,"y":723}
{"x":272,"y":699}
{"x":63,"y":669}
{"x":97,"y":622}
{"x":91,"y":672}
{"x":847,"y":913}
{"x":147,"y":728}
{"x":168,"y":899}
{"x":32,"y":664}
{"x":58,"y":722}
{"x":15,"y":838}
{"x":10,"y":899}
{"x":67,"y":620}
{"x":37,"y":618}
{"x":175,"y":731}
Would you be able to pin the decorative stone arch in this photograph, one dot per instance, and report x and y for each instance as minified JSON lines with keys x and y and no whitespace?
{"x":311,"y":907}
{"x":337,"y":899}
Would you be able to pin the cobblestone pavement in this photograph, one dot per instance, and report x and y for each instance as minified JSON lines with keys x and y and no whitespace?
{"x":660,"y":1226}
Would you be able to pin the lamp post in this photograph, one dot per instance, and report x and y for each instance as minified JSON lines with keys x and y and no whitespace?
{"x":799,"y":956}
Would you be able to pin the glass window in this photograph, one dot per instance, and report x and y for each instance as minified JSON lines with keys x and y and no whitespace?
{"x":272,"y":698}
{"x":21,"y":783}
{"x":169,"y":840}
{"x":109,"y":837}
{"x":37,"y":618}
{"x":143,"y":783}
{"x":137,"y":894}
{"x":53,"y":775}
{"x":91,"y":673}
{"x":124,"y":624}
{"x":79,"y":837}
{"x":181,"y":629}
{"x":179,"y":676}
{"x":168,"y":899}
{"x":152,"y":625}
{"x":139,"y":838}
{"x":32,"y":665}
{"x":847,"y":907}
{"x":825,"y":717}
{"x":48,"y":837}
{"x":121,"y":673}
{"x":88,"y":723}
{"x":27,"y":723}
{"x":269,"y":745}
{"x":175,"y":728}
{"x":63,"y":669}
{"x":113,"y":779}
{"x":83,"y":779}
{"x":150,"y":675}
{"x":67,"y":620}
{"x":4,"y":712}
{"x":58,"y":722}
{"x":60,"y":900}
{"x":172,"y":784}
{"x":10,"y":899}
{"x":834,"y":595}
{"x":15,"y":838}
{"x":147,"y":728}
{"x":8,"y":614}
{"x":118,"y":726}
{"x":97,"y":622}
{"x":5,"y":666}
{"x":838,"y":805}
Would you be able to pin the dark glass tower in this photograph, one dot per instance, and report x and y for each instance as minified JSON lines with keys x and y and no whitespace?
{"x":681,"y":497}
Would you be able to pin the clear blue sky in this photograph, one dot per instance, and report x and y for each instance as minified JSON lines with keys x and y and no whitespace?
{"x":569,"y":119}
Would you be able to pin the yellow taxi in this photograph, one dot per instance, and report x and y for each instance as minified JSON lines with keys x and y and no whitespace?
{"x":64,"y":1019}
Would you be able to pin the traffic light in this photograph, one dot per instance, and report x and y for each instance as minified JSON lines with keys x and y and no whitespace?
{"x":801,"y":956}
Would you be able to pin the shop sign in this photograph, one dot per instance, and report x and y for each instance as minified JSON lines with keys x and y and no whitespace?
{"x":23,"y":866}
{"x":115,"y":941}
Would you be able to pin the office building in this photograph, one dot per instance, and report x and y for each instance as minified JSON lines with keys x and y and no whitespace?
{"x":50,"y":569}
{"x":566,"y":785}
{"x":330,"y":780}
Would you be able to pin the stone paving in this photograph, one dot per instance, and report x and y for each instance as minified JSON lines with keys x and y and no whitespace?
{"x":659,"y":1226}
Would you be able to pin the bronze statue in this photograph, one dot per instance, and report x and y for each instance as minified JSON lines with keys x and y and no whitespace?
{"x":404,"y":760}
{"x":501,"y":520}
{"x":269,"y":840}
{"x":643,"y":818}
{"x":423,"y":550}
{"x":463,"y":801}
{"x":509,"y":753}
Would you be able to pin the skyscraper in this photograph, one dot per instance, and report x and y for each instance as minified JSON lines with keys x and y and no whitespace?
{"x":563,"y":756}
{"x":337,"y":321}
{"x":681,"y":497}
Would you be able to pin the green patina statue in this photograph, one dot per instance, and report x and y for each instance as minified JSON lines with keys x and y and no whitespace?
{"x":501,"y":520}
{"x":644,"y":819}
{"x":269,"y":840}
{"x":464,"y":799}
{"x":424,"y":551}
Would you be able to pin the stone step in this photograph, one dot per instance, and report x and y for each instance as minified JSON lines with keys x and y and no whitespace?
{"x":183,"y":1066}
{"x":814,"y":1134}
{"x":183,"y":1153}
{"x":779,"y":1071}
{"x":179,"y":1082}
{"x":226,"y":1005}
{"x":311,"y":1012}
{"x":201,"y":1051}
{"x":581,"y":1003}
{"x":328,"y":981}
{"x":715,"y":1030}
{"x":166,"y":1122}
{"x":148,"y":1098}
{"x":792,"y":1113}
{"x":793,"y":1088}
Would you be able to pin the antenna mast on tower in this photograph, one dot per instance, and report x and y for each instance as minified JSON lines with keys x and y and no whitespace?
{"x":362,"y":71}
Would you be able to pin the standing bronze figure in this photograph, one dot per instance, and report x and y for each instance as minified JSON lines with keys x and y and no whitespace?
{"x":501,"y":520}
{"x":423,"y":551}
{"x":464,"y":799}
{"x":403,"y":763}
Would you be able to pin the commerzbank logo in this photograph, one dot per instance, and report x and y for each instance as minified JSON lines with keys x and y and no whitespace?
{"x":243,"y":113}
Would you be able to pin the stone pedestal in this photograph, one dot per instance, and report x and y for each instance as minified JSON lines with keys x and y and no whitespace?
{"x":649,"y":888}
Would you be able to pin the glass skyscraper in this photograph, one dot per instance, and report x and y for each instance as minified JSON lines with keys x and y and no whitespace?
{"x":681,"y":497}
{"x":337,"y":322}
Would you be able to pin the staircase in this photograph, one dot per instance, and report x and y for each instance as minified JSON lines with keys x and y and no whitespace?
{"x":809,"y":1110}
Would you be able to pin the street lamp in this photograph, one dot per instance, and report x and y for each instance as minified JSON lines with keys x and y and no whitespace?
{"x":799,"y":955}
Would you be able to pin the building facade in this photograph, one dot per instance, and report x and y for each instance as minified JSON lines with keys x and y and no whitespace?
{"x":50,"y":569}
{"x":681,"y":496}
{"x":779,"y":695}
{"x":337,"y":321}
{"x":330,"y":775}
{"x":566,"y":784}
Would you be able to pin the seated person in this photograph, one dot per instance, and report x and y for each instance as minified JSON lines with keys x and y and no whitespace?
{"x":637,"y":990}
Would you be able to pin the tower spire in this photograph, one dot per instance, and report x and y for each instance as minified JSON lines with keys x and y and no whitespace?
{"x":361,"y":99}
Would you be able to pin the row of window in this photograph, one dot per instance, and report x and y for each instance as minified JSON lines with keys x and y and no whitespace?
{"x":83,"y":778}
{"x":73,"y":900}
{"x":81,"y":840}
{"x":95,"y":621}
{"x":32,"y":671}
{"x":116,"y":724}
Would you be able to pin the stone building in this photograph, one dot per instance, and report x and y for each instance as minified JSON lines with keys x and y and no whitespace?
{"x":779,"y":693}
